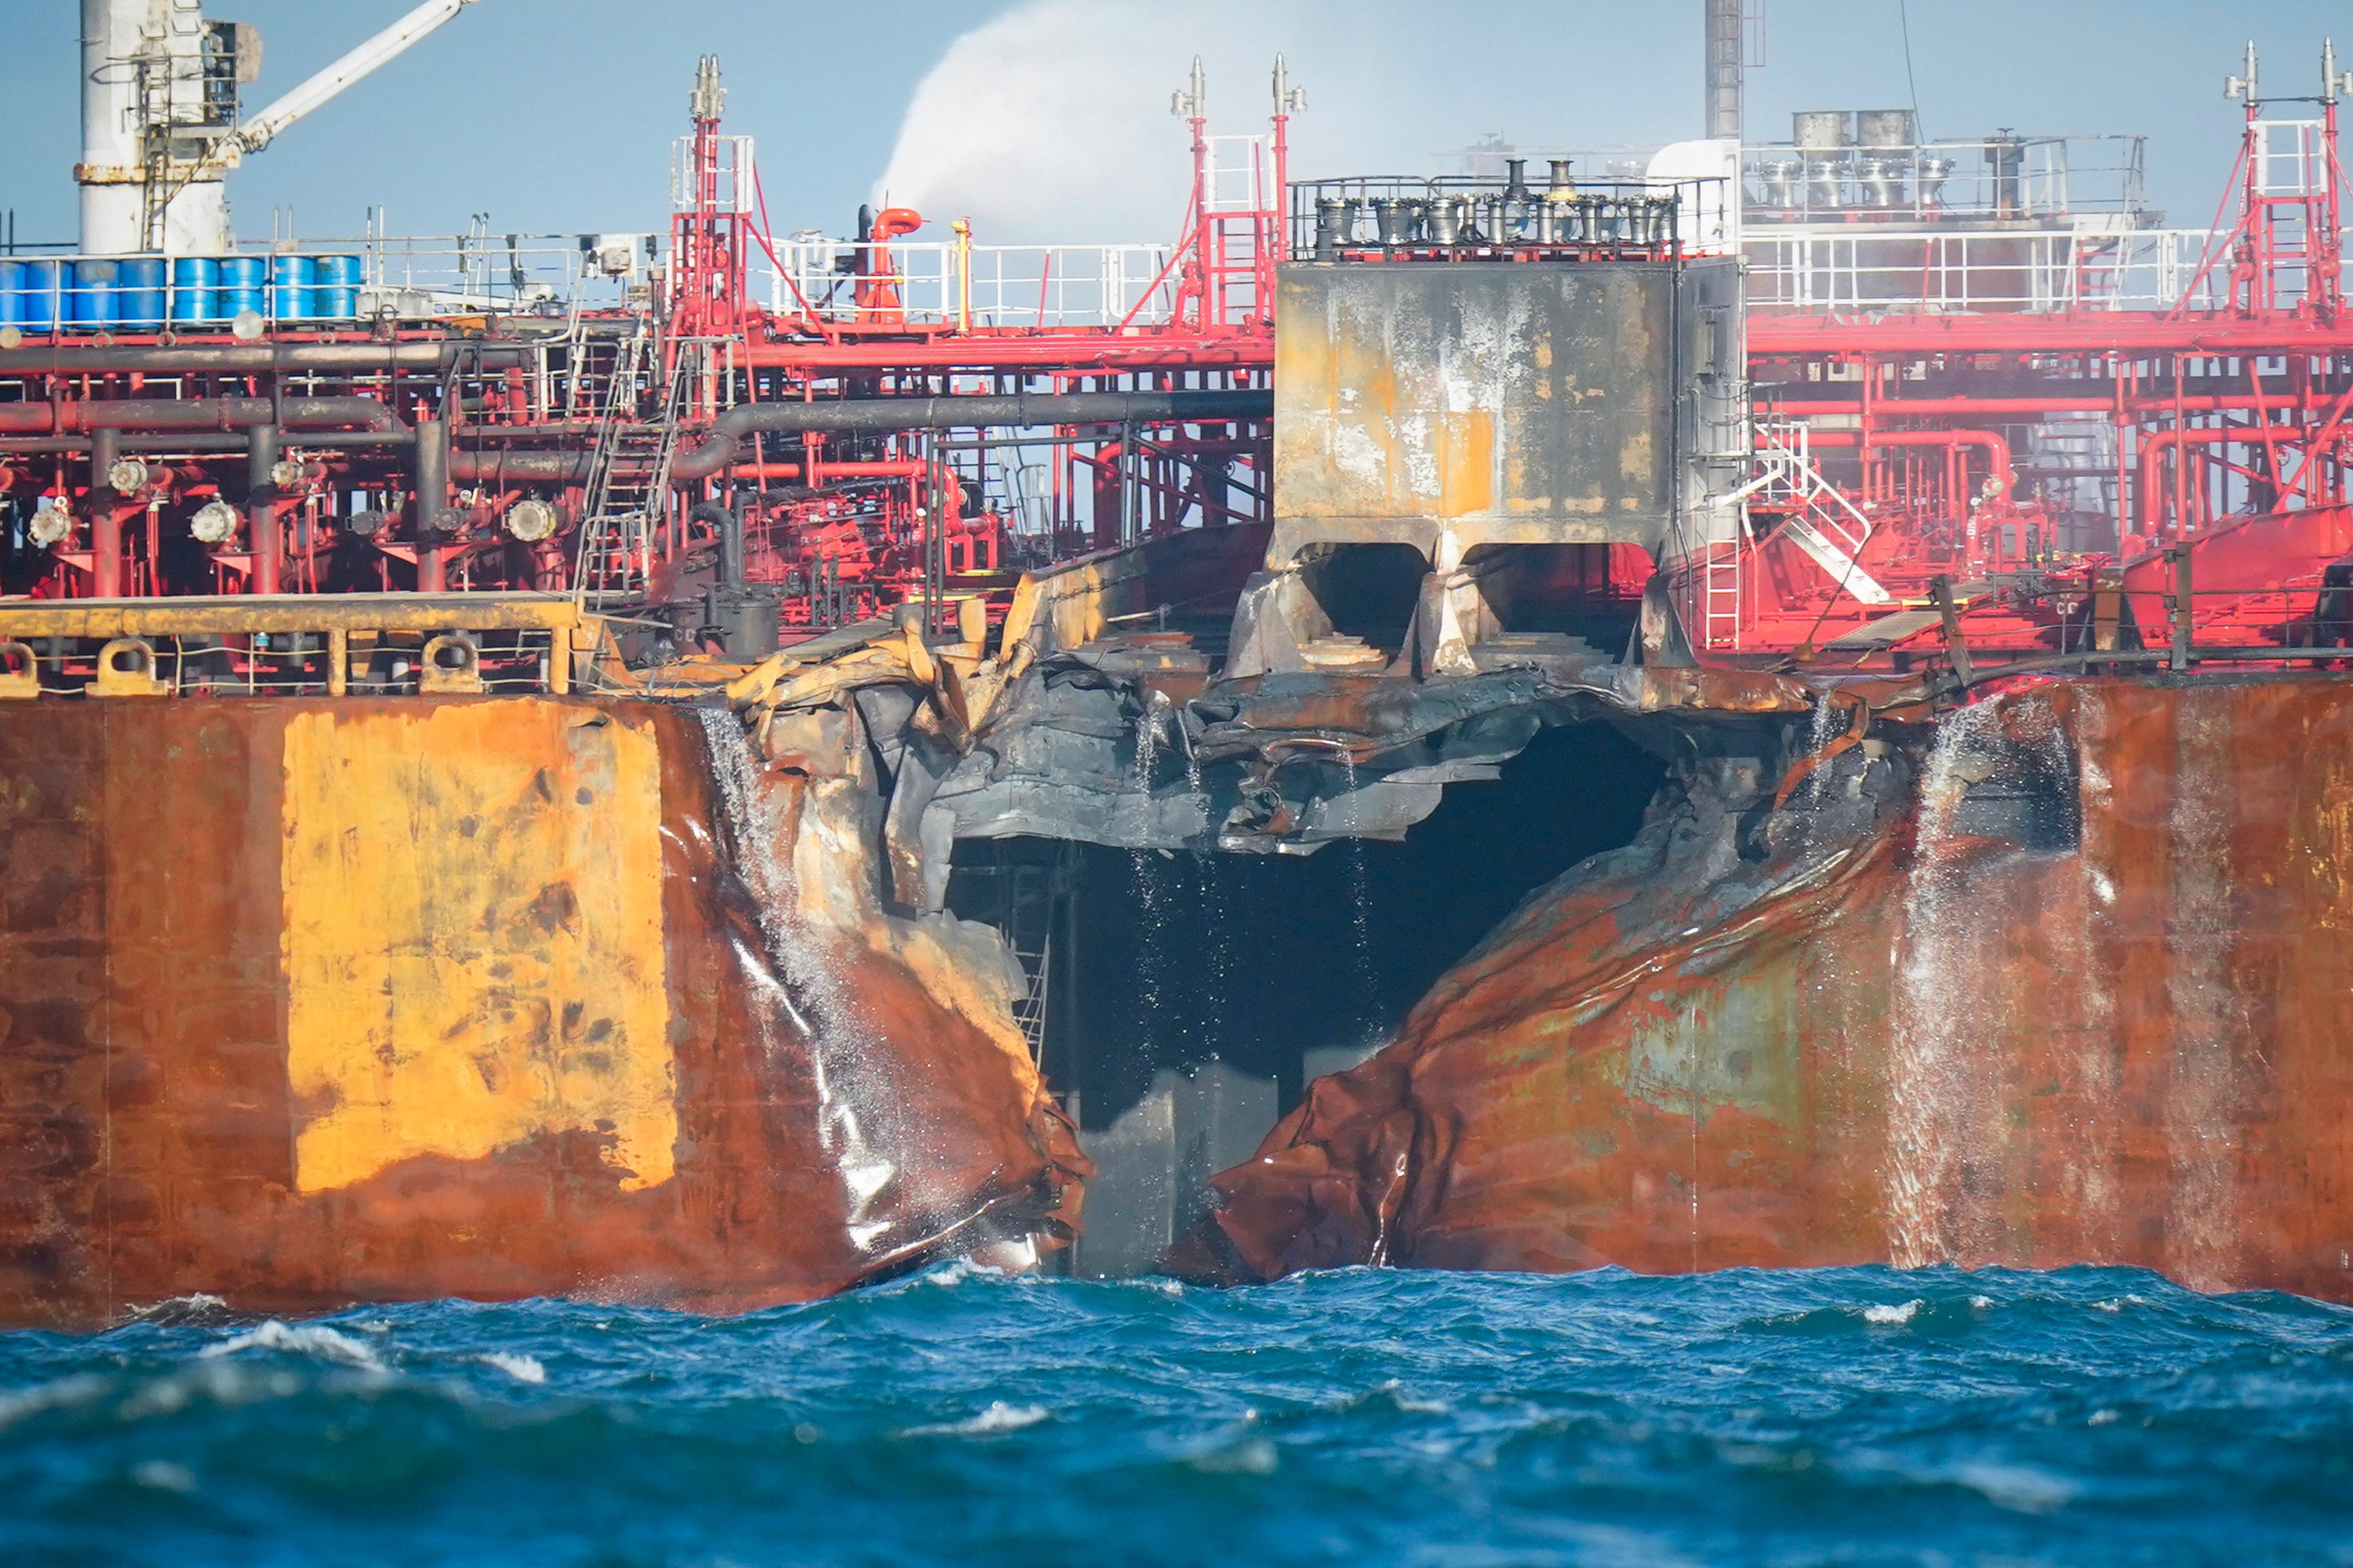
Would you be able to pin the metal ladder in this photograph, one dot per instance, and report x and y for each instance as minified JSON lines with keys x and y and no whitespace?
{"x":1719,"y":582}
{"x":628,"y":480}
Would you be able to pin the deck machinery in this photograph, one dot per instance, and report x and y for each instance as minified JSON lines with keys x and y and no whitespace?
{"x":1990,"y":415}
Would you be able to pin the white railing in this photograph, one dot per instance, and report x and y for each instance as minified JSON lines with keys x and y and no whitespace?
{"x":2006,"y":271}
{"x":1240,"y":175}
{"x":2030,"y":177}
{"x":310,"y":281}
{"x":980,"y":285}
{"x":2291,"y":157}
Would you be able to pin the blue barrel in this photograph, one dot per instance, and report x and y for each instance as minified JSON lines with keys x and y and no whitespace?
{"x":139,"y":298}
{"x":196,"y":290}
{"x":37,"y":306}
{"x":12,"y":293}
{"x":90,"y":302}
{"x":338,"y":294}
{"x":242,"y":284}
{"x":292,"y":296}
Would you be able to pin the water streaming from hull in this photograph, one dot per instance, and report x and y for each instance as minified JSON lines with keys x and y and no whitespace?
{"x":863,"y":1127}
{"x":1950,"y":1041}
{"x":1360,"y":910}
{"x":1147,"y":869}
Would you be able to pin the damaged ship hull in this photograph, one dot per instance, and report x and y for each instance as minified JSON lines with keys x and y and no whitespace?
{"x":2064,"y":982}
{"x":311,"y":1002}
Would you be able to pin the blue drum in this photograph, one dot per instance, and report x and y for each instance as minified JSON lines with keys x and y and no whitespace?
{"x":195,"y":292}
{"x":138,"y":296}
{"x":90,"y":302}
{"x":337,"y":297}
{"x":292,"y":296}
{"x":243,"y":285}
{"x":38,"y":305}
{"x":12,"y":293}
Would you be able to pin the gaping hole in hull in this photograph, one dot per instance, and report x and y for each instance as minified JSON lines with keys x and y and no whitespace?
{"x":1186,"y":1000}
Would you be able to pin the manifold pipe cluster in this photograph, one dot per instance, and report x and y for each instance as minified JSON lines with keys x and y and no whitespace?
{"x":1019,"y":410}
{"x":883,"y":416}
{"x":713,"y":453}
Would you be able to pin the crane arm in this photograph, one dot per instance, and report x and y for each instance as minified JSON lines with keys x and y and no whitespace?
{"x":257,"y":132}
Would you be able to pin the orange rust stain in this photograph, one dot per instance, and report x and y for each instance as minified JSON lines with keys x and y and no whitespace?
{"x":473,"y":938}
{"x":1466,"y":463}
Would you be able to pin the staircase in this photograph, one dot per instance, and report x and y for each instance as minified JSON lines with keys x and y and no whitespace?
{"x":1820,"y":520}
{"x":628,"y":478}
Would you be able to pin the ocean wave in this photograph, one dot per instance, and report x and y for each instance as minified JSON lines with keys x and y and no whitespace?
{"x":516,"y":1364}
{"x":1752,"y":1417}
{"x":301,"y":1339}
{"x":998,"y":1417}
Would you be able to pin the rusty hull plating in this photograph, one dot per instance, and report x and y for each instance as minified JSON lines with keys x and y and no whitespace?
{"x":314,"y":1001}
{"x":2076,"y":994}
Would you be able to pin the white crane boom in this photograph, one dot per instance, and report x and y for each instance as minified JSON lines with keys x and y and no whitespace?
{"x":256,"y":133}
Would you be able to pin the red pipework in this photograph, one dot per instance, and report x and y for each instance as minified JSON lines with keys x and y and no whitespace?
{"x":1990,"y":442}
{"x":2154,"y":444}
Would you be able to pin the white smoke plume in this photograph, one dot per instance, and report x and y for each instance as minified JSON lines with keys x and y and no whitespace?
{"x":1050,"y":122}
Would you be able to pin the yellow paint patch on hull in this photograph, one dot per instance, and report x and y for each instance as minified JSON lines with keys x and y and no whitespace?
{"x":473,"y":945}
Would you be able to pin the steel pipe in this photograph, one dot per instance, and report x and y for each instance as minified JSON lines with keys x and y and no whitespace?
{"x":1017,"y":411}
{"x":193,"y":413}
{"x":489,"y":466}
{"x":430,"y":467}
{"x":261,"y":507}
{"x":257,"y":358}
{"x":106,"y":519}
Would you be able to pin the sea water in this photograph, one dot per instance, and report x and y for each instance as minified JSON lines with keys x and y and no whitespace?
{"x":1365,"y":1417}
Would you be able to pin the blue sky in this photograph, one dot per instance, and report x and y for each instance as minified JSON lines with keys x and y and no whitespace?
{"x":556,"y":115}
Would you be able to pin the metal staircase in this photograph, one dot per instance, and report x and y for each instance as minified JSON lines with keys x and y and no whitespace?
{"x":1817,"y":519}
{"x":628,"y":477}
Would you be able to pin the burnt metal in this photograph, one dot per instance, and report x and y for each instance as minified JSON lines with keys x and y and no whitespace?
{"x":1677,"y":1060}
{"x":1544,"y":402}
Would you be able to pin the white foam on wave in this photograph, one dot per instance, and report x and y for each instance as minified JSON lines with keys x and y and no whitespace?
{"x":521,"y":1368}
{"x":196,"y":1306}
{"x":998,"y":1417}
{"x":303,"y":1339}
{"x":1903,"y":1312}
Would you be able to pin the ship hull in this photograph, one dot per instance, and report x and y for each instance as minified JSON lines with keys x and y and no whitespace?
{"x":1926,"y":1032}
{"x":308,"y":1002}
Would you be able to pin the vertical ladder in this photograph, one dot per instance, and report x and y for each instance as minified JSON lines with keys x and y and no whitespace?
{"x":628,"y":480}
{"x":1719,"y":581}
